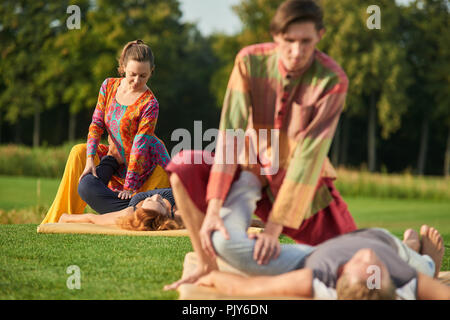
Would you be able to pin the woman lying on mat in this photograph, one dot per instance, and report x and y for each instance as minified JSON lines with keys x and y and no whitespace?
{"x":149,"y":210}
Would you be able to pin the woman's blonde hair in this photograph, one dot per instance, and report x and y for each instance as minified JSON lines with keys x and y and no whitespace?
{"x":135,"y":50}
{"x":147,"y":220}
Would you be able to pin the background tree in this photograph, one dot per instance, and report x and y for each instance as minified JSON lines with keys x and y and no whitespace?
{"x":63,"y":69}
{"x":374,"y":60}
{"x":397,"y":115}
{"x":427,"y":39}
{"x":69,"y":79}
{"x":255,"y":16}
{"x":25,"y":29}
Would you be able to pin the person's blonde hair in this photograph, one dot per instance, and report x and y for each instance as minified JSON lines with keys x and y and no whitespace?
{"x":135,"y":50}
{"x":147,"y":220}
{"x":347,"y":289}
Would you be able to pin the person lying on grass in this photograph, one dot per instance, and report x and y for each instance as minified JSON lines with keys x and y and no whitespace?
{"x":365,"y":264}
{"x":155,"y":212}
{"x":146,"y":211}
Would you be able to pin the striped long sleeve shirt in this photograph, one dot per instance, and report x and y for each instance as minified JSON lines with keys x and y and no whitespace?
{"x":302,"y":112}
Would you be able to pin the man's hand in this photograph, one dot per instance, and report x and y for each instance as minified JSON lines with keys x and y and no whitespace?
{"x":89,"y":168}
{"x":211,"y":223}
{"x":267,"y":246}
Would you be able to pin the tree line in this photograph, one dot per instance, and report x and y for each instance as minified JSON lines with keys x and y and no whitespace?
{"x":397,"y":114}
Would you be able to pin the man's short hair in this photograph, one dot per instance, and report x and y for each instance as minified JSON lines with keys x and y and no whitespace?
{"x":292,"y":11}
{"x":346,"y":289}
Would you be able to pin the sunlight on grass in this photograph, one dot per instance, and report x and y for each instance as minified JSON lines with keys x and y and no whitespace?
{"x":33,"y":266}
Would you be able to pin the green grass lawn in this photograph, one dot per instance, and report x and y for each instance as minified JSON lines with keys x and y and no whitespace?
{"x":22,"y":192}
{"x":398,"y":214}
{"x":33,"y":266}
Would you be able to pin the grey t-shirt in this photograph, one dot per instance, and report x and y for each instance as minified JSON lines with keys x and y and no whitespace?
{"x":326,"y":259}
{"x":165,"y":193}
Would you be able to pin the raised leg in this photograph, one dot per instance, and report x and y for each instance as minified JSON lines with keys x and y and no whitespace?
{"x":238,"y":250}
{"x":409,"y":251}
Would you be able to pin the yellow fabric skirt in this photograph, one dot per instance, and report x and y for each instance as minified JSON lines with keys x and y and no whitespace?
{"x":67,"y":199}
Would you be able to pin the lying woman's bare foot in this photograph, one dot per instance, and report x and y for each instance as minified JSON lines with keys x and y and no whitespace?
{"x":191,"y":278}
{"x":411,"y":239}
{"x":432,"y":245}
{"x":63,"y":218}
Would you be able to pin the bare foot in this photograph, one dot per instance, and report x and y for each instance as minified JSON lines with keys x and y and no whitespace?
{"x":432,"y":245}
{"x":63,"y":218}
{"x":411,"y":239}
{"x":191,"y":278}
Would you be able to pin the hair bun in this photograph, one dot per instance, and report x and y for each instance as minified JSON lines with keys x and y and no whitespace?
{"x":135,"y":50}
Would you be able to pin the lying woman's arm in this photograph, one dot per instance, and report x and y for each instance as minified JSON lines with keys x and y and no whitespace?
{"x":76,"y":218}
{"x":100,"y":219}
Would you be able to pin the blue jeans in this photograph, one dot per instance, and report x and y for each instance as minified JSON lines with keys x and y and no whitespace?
{"x":237,"y":251}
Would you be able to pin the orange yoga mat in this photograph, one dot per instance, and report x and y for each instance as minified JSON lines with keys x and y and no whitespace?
{"x":89,"y":228}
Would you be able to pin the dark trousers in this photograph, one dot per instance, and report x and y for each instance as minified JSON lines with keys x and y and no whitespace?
{"x":95,"y":192}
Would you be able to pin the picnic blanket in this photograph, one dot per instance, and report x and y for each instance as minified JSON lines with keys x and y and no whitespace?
{"x":193,"y":292}
{"x":89,"y":228}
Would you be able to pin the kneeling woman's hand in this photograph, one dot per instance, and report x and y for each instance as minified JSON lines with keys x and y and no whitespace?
{"x":125,"y":194}
{"x":89,"y":168}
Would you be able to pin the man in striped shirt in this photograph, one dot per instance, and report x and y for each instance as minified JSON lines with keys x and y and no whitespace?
{"x":288,"y":97}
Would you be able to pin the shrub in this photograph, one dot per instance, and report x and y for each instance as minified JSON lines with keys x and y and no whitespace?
{"x":17,"y":160}
{"x":383,"y":185}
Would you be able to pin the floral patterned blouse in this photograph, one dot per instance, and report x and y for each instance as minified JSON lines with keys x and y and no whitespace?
{"x":132,"y":129}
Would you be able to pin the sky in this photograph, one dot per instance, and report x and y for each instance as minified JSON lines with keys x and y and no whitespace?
{"x":211,"y":15}
{"x":217,"y":15}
